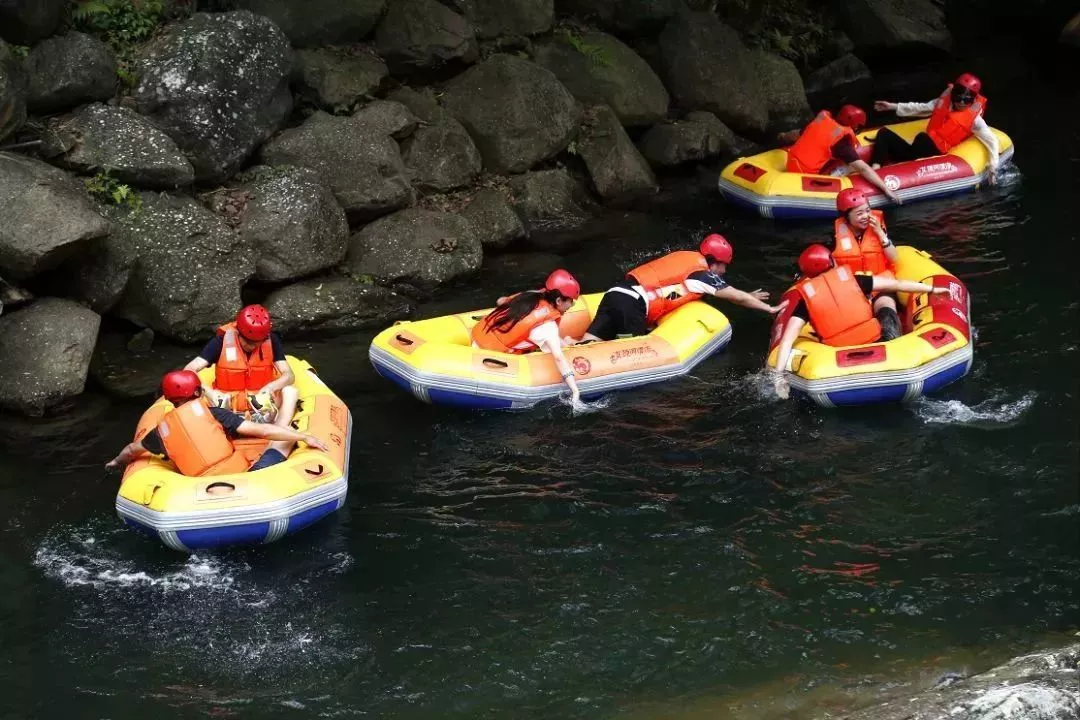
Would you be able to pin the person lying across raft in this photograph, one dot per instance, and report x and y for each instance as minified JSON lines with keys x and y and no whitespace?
{"x":198,"y":437}
{"x":836,"y":302}
{"x":250,"y":368}
{"x":861,"y":244}
{"x":654,"y":289}
{"x":529,"y":321}
{"x":955,"y":115}
{"x":829,"y":146}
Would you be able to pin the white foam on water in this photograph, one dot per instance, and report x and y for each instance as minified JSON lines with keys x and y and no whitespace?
{"x":988,"y":413}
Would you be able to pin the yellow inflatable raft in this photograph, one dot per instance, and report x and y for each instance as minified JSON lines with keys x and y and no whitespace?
{"x":761,"y":182}
{"x":435,"y":361}
{"x":192,"y":513}
{"x":935,"y":349}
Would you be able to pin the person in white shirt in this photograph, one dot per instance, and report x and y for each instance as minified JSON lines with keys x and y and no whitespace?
{"x":955,"y":115}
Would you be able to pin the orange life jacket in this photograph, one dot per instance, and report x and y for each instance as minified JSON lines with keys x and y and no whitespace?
{"x":866,"y":255}
{"x":947,"y":127}
{"x":664,"y":281}
{"x":840,"y":313}
{"x":236,"y":372}
{"x":813,"y":150}
{"x":197,"y":444}
{"x":515,"y":339}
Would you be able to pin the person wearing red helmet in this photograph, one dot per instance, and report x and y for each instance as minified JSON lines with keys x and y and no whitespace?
{"x":955,"y":115}
{"x":248,"y":360}
{"x":862,"y":244}
{"x":197,"y":437}
{"x":529,"y":321}
{"x":654,"y":289}
{"x":836,"y":302}
{"x":829,"y":146}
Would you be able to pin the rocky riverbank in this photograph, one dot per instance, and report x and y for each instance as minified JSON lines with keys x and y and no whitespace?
{"x":340,"y":160}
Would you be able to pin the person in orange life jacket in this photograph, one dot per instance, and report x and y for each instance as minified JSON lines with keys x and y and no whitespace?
{"x":862,"y":244}
{"x":529,"y":321}
{"x":248,"y":359}
{"x":195,"y":421}
{"x":955,"y":115}
{"x":836,"y":301}
{"x":829,"y":146}
{"x":654,"y":289}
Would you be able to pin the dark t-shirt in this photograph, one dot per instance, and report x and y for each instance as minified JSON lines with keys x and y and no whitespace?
{"x":228,"y":419}
{"x":866,"y":284}
{"x":709,"y":279}
{"x":212,"y":350}
{"x":844,"y":150}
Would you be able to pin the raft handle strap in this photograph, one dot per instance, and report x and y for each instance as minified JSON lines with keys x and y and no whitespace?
{"x":314,"y":473}
{"x":492,"y":362}
{"x":859,"y":353}
{"x":402,"y":339}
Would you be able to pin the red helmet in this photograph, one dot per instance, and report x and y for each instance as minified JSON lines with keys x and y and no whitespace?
{"x":815,"y":260}
{"x":716,"y":247}
{"x":849,"y":199}
{"x":970,"y":82}
{"x":564,"y":283}
{"x":179,"y":385}
{"x":253,"y":322}
{"x":852,"y":116}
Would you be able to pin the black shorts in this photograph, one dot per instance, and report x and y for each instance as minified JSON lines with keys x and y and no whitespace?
{"x":619,"y":314}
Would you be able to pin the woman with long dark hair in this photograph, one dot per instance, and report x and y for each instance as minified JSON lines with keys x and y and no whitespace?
{"x":529,"y":321}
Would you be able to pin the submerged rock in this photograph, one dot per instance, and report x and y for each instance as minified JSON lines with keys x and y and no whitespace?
{"x":69,"y":70}
{"x":517,"y":112}
{"x":47,"y":217}
{"x":98,"y":137}
{"x":334,"y":304}
{"x":217,"y":85}
{"x":45,"y":354}
{"x":132,"y":366}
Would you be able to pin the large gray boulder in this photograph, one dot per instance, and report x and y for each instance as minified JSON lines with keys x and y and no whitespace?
{"x":495,"y":18}
{"x":517,"y":112}
{"x":315,"y":23}
{"x":782,"y":88}
{"x":441,"y":156}
{"x":188,"y":269}
{"x":597,"y":68}
{"x":707,"y":67}
{"x":617,"y":169}
{"x":356,"y":156}
{"x":549,"y":201}
{"x":421,"y":249}
{"x":100,"y":276}
{"x":494,"y":219}
{"x":97,"y":137}
{"x":47,"y":217}
{"x":699,"y":137}
{"x":632,"y":17}
{"x":841,"y":71}
{"x":424,"y":34}
{"x":69,"y":70}
{"x":45,"y":354}
{"x":336,"y":79}
{"x":293,"y":222}
{"x":889,"y":25}
{"x":12,"y":91}
{"x":217,"y":85}
{"x":334,"y":304}
{"x":1040,"y":686}
{"x":24,"y":22}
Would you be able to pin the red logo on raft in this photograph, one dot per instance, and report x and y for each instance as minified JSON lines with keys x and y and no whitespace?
{"x":581,"y":366}
{"x":638,"y":352}
{"x":917,"y":172}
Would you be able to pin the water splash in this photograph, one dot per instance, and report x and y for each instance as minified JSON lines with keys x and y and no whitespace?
{"x":988,"y":413}
{"x":580,"y":407}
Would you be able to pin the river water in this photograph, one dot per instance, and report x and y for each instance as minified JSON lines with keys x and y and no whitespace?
{"x":695,"y":549}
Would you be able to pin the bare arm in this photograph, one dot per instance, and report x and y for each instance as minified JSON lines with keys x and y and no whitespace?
{"x":284,"y":378}
{"x":783,"y":353}
{"x":277,"y":432}
{"x":131,"y":451}
{"x":886,"y":284}
{"x":565,"y":369}
{"x":753,"y":300}
{"x":987,"y":137}
{"x":861,"y":167}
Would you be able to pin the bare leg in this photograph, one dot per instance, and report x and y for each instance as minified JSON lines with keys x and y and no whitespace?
{"x":285,"y":413}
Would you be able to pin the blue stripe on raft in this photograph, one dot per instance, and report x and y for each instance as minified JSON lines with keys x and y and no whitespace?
{"x":468,"y":400}
{"x":389,"y":374}
{"x":141,"y":527}
{"x":302,"y":520}
{"x":246,"y":534}
{"x":939,"y":380}
{"x":870,"y":395}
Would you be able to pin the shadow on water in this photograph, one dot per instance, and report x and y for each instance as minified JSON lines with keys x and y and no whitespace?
{"x":692,"y":549}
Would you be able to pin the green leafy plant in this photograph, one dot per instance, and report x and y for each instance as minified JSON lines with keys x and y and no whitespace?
{"x":597,"y":54}
{"x":106,"y":188}
{"x":123,"y":24}
{"x":19,"y":51}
